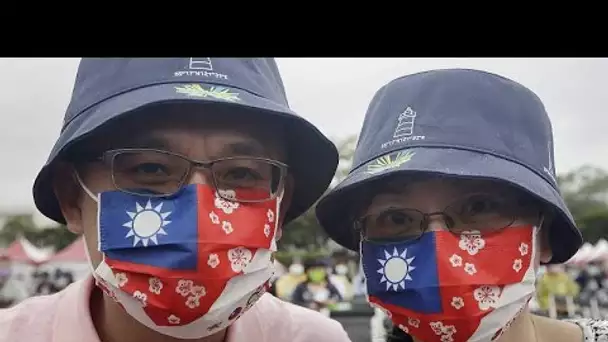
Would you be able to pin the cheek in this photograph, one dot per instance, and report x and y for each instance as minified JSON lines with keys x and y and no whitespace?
{"x":89,"y":221}
{"x":97,"y":179}
{"x":537,"y":256}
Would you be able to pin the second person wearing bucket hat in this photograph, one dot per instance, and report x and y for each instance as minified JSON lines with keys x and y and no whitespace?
{"x":453,"y":203}
{"x":180,"y":174}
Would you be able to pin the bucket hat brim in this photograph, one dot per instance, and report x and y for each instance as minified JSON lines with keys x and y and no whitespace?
{"x":312,"y":157}
{"x":334,"y":209}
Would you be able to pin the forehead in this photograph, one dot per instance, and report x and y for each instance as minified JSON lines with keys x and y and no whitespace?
{"x":421,"y":182}
{"x":437,"y":187}
{"x":193,"y":129}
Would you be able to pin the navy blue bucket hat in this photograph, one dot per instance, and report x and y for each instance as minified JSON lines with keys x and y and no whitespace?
{"x":108,"y":88}
{"x":460,"y":123}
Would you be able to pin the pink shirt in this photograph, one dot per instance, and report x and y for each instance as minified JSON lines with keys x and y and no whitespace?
{"x":65,"y":317}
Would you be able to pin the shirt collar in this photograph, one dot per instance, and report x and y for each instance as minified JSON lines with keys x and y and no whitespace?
{"x":73,"y":322}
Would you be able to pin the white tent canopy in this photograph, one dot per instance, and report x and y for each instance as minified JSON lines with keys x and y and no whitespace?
{"x":589,"y":253}
{"x":600,"y":251}
{"x":72,"y":258}
{"x":23,"y":259}
{"x":582,"y":254}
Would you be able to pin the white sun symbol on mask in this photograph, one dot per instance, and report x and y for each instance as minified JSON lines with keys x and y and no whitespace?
{"x":395,"y":269}
{"x":146,"y":223}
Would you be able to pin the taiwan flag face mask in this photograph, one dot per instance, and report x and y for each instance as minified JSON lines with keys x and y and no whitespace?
{"x":453,"y":288}
{"x":188,"y":265}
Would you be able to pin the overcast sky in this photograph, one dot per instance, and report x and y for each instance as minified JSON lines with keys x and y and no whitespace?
{"x":332,"y":93}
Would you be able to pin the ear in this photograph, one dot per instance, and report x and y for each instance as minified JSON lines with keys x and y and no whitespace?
{"x":68,"y":193}
{"x":285,"y":203}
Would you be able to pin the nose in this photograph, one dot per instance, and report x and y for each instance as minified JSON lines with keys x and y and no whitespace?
{"x":437,"y":223}
{"x":200,"y":176}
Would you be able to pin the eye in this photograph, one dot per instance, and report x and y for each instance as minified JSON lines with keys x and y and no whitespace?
{"x":239,"y":174}
{"x":393,"y":223}
{"x":394,"y":217}
{"x":480,"y":205}
{"x":150,"y":169}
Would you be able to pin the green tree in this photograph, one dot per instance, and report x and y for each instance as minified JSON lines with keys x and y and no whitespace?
{"x":57,"y":237}
{"x":346,"y":148}
{"x":585,"y":191}
{"x":305,"y":232}
{"x":15,"y":226}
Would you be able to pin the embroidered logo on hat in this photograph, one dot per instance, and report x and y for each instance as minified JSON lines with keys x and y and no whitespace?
{"x":220,"y":93}
{"x":404,"y":131}
{"x":200,"y":66}
{"x":108,"y":88}
{"x":459,"y":123}
{"x":387,"y":162}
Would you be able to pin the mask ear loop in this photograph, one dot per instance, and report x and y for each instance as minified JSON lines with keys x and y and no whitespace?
{"x":84,"y":187}
{"x":541,"y":222}
{"x":278,"y":229}
{"x":97,"y":200}
{"x":362,"y":269}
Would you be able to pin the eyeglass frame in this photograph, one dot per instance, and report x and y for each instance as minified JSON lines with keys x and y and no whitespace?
{"x":107,"y":157}
{"x":424,"y":223}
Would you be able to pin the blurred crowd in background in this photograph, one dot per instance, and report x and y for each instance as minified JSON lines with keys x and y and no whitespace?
{"x":314,"y":272}
{"x":578,"y":288}
{"x":333,"y":285}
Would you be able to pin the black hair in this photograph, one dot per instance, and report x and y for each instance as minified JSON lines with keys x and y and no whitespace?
{"x":311,"y":263}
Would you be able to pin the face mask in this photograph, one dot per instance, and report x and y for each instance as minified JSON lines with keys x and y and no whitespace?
{"x":316,"y":276}
{"x":187,"y":265}
{"x":61,"y":282}
{"x":341,"y":269}
{"x":296,"y":269}
{"x":555,"y":269}
{"x":593,"y":270}
{"x":449,"y":287}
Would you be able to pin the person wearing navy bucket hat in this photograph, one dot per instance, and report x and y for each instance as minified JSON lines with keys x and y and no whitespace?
{"x":453,"y":204}
{"x":180,"y":174}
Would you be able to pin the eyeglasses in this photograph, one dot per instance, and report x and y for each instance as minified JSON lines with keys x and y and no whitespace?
{"x":484,"y":213}
{"x":159,"y":173}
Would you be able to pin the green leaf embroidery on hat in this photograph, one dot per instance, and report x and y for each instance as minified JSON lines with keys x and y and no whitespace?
{"x":386,"y":162}
{"x":219,"y":93}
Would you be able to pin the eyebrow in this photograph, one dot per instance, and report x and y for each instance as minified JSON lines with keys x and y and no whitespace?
{"x":250,"y":148}
{"x":148,"y":141}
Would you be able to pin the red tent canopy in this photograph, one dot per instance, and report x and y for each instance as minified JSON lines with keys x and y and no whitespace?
{"x":16,"y":252}
{"x":72,"y":253}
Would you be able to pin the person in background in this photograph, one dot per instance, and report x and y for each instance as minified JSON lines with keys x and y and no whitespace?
{"x":340,"y":278}
{"x":286,"y":283}
{"x":62,"y":279}
{"x":316,"y":292}
{"x":180,"y":173}
{"x":592,"y":276}
{"x":7,"y":288}
{"x":556,"y":291}
{"x":452,"y":202}
{"x":45,"y":284}
{"x":593,"y":288}
{"x":359,"y":287}
{"x":272,"y":289}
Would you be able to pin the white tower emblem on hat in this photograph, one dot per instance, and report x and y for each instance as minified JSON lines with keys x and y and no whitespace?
{"x":405,"y":126}
{"x":201,"y":63}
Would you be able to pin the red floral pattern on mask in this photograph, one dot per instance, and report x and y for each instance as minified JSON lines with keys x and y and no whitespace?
{"x":474,"y":271}
{"x":229,"y":234}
